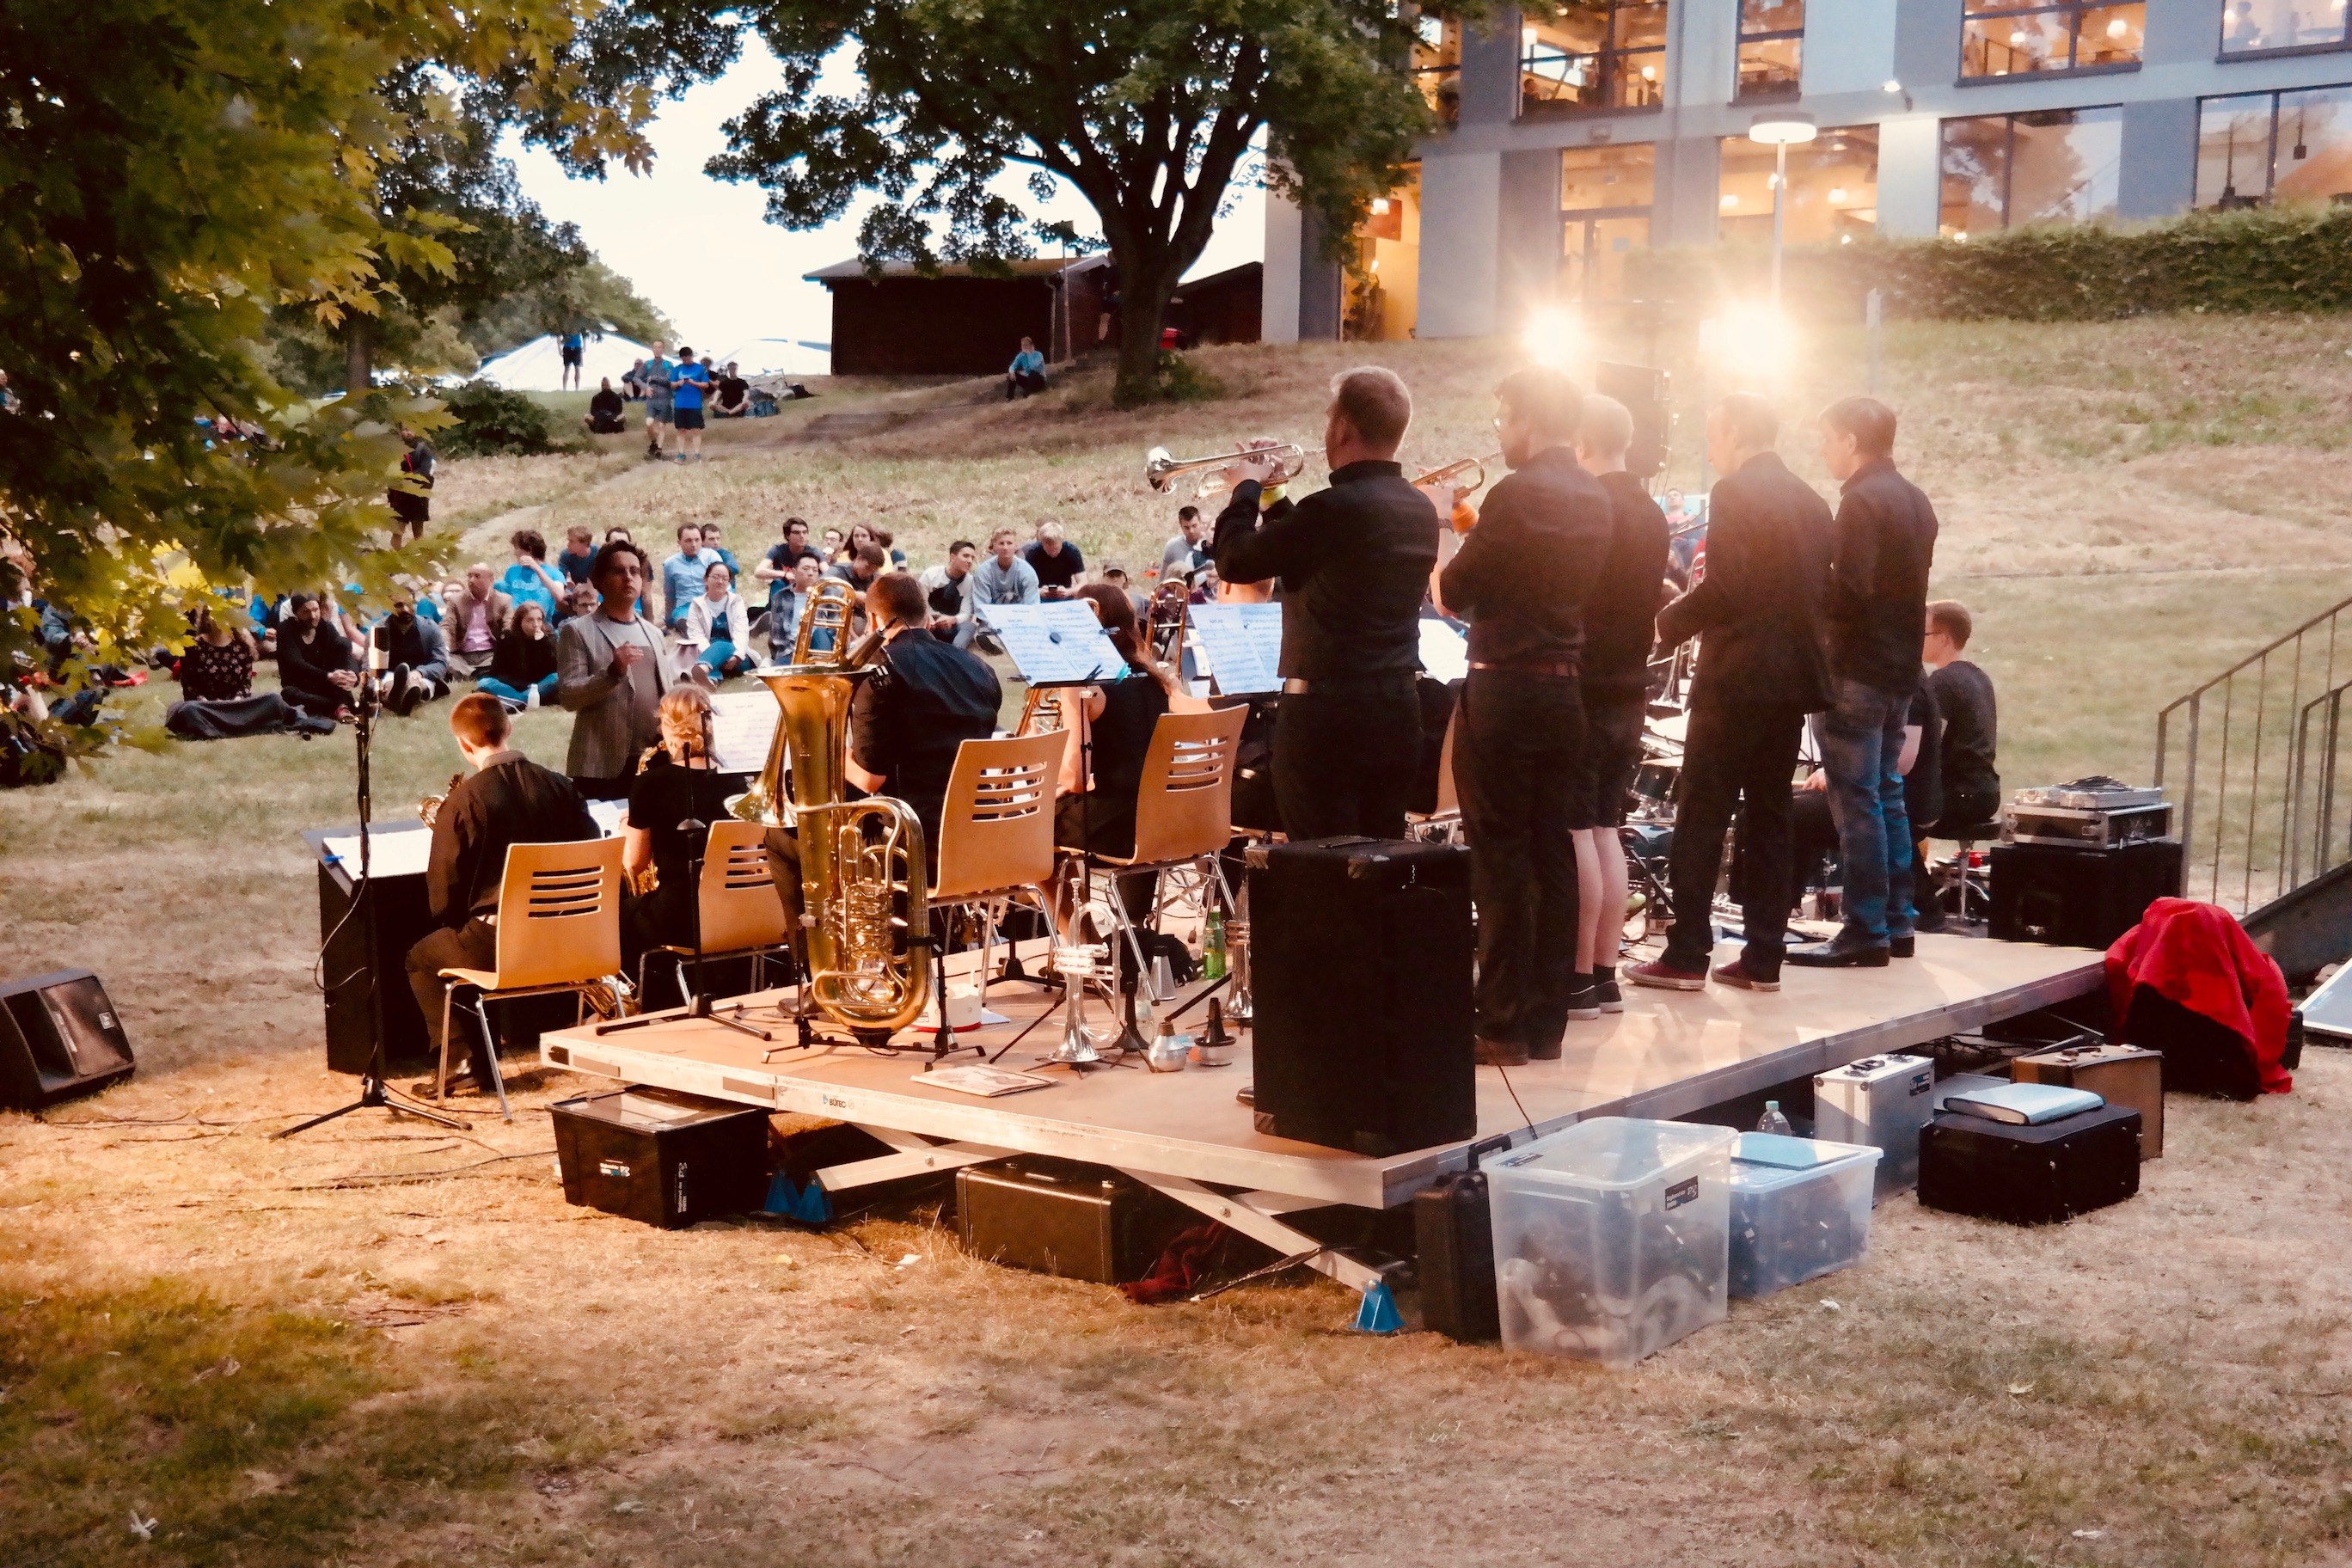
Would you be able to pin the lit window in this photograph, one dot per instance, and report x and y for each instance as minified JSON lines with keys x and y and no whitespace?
{"x":2267,"y":147}
{"x":2051,"y":166}
{"x":1604,"y":197}
{"x":1437,"y":65}
{"x":1832,"y":187}
{"x":1771,"y":44}
{"x":1594,"y":54}
{"x":2251,"y":27}
{"x":2021,"y":37}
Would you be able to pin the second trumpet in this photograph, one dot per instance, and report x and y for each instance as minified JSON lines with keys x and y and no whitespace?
{"x":1161,"y":469}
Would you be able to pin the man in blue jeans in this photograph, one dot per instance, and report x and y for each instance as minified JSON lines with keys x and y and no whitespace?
{"x":1878,"y":599}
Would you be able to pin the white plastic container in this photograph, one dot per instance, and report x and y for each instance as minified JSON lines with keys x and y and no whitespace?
{"x":1883,"y":1102}
{"x":1612,"y":1237}
{"x":1799,"y":1209}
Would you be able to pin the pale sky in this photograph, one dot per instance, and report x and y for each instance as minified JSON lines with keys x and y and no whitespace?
{"x":701,"y":249}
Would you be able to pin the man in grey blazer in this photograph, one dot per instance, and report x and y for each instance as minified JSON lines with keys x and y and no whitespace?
{"x":608,"y":669}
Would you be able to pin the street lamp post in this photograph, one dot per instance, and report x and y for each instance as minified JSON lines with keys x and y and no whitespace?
{"x":1780,"y":131}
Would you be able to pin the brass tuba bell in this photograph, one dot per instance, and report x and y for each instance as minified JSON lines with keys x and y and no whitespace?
{"x":868,"y":966}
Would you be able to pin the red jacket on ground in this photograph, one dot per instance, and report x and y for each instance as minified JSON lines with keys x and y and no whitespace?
{"x":2200,"y":957}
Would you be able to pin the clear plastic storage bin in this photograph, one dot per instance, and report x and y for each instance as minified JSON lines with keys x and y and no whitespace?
{"x":1612,"y":1237}
{"x":1800,"y":1208}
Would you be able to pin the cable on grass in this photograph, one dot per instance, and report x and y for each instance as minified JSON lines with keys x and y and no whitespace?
{"x":394,"y":1178}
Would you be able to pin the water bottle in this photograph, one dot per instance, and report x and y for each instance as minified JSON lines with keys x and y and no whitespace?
{"x":1213,"y":950}
{"x":1774,"y":1122}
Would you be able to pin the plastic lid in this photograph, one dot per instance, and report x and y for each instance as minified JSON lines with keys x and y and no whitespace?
{"x":1769,"y":1159}
{"x":1615,"y":1151}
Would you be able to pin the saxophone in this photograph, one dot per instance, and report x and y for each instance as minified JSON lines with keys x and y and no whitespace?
{"x":869,"y":968}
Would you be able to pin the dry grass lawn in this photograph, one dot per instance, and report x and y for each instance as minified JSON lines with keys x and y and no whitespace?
{"x":373,"y":1345}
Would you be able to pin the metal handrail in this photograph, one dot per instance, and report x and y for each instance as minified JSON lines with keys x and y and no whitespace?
{"x":2224,"y":849}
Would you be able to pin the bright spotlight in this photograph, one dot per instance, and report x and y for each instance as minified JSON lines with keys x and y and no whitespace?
{"x":1748,"y":343}
{"x":1554,"y":336}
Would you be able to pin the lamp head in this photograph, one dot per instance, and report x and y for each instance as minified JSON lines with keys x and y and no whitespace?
{"x":1782,"y":129}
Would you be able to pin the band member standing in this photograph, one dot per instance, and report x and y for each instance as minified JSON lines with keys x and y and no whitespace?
{"x":1521,"y":580}
{"x":1878,"y":593}
{"x":1354,"y":562}
{"x":509,"y":800}
{"x":1620,"y":624}
{"x":608,"y":668}
{"x":1761,"y":668}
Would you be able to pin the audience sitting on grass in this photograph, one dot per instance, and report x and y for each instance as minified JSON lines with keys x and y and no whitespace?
{"x":416,"y":654}
{"x":531,"y":577}
{"x":1061,"y":570}
{"x":607,"y":413}
{"x":579,"y":550}
{"x":718,"y":637}
{"x":947,"y":587}
{"x":632,"y":382}
{"x":1002,"y":579}
{"x":682,"y":575}
{"x":218,"y":665}
{"x":865,"y":564}
{"x":786,"y":609}
{"x":734,"y":398}
{"x":833,"y":545}
{"x":474,"y":616}
{"x":522,"y":671}
{"x":580,"y":599}
{"x":318,"y":668}
{"x":713,"y":544}
{"x":1025,"y":376}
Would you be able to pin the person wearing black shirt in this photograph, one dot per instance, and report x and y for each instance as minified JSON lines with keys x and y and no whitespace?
{"x":412,"y":508}
{"x":1761,"y":668}
{"x":1877,"y":595}
{"x":1114,"y":723}
{"x":1354,"y":562}
{"x":1060,"y":569}
{"x":905,"y":723}
{"x":316,"y":668}
{"x":1620,"y":626}
{"x":734,"y":399}
{"x":606,"y":411}
{"x":1522,"y":579}
{"x":414,"y":653}
{"x":674,"y":786}
{"x":508,"y":800}
{"x":1964,"y":699}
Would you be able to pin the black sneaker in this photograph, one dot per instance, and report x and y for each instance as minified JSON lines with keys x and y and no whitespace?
{"x":1607,"y":997}
{"x":1902,"y":947}
{"x":1837,"y":955}
{"x":1584,"y":1002}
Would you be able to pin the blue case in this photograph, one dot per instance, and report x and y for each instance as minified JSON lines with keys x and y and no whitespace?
{"x":2025,"y":1104}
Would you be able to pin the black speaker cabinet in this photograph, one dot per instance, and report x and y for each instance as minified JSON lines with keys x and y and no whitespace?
{"x":59,"y":1037}
{"x":2079,"y":898}
{"x":661,"y":1155}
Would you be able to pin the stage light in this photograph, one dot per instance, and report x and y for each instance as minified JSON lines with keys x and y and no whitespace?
{"x":1749,"y":344}
{"x":1554,"y":335}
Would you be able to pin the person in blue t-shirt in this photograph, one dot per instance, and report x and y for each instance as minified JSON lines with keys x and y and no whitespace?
{"x":531,"y":579}
{"x":1025,"y":376}
{"x":687,"y":383}
{"x":682,"y":575}
{"x":574,"y":348}
{"x":657,"y":373}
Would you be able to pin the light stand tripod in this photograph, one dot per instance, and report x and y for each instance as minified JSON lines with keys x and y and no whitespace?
{"x":367,"y":700}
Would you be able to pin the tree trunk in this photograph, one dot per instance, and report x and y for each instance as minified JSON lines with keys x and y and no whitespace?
{"x":1142,"y":311}
{"x":359,"y":374}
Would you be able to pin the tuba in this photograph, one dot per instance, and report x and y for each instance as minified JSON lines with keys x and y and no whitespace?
{"x":869,"y":967}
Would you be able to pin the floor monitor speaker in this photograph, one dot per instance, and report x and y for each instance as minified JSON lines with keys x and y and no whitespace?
{"x":59,"y":1037}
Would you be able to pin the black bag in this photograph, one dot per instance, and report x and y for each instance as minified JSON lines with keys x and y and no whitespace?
{"x":2030,"y":1174}
{"x":1455,"y":1238}
{"x":226,"y":719}
{"x":1359,"y":966}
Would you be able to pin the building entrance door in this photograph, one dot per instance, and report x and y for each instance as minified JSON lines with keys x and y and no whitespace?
{"x":1598,"y":250}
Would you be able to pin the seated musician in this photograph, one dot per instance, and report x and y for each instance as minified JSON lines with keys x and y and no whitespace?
{"x":675,"y":785}
{"x":906,"y":724}
{"x":509,"y":800}
{"x":1112,"y":725}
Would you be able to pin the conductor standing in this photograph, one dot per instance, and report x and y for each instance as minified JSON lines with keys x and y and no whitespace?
{"x":1522,"y":579}
{"x":1353,"y":561}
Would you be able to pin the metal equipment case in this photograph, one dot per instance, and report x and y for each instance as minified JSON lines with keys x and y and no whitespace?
{"x":1060,"y":1217}
{"x":1881,"y":1102}
{"x":661,"y":1155}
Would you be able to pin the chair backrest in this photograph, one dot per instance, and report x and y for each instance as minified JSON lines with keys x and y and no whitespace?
{"x":560,"y":913}
{"x":996,"y":829}
{"x":1185,"y":702}
{"x":740,"y":906}
{"x":1184,"y":802}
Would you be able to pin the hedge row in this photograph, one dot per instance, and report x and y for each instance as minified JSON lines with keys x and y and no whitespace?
{"x":2284,"y":260}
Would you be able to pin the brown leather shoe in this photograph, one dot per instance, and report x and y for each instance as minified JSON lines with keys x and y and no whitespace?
{"x":1738,"y":975}
{"x":1501,"y":1053}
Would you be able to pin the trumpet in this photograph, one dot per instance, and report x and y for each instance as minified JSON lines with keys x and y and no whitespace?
{"x":1160,"y":469}
{"x":1452,"y":473}
{"x":429,"y":810}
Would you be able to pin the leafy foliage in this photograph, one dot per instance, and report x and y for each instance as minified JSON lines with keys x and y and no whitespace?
{"x":487,"y":420}
{"x":590,"y":298}
{"x":1148,"y":111}
{"x":2279,"y":259}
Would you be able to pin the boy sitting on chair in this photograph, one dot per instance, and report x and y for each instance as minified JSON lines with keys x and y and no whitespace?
{"x":508,"y":800}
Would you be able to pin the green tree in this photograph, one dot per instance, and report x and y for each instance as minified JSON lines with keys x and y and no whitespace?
{"x":1148,"y":111}
{"x":590,"y":298}
{"x":175,"y":171}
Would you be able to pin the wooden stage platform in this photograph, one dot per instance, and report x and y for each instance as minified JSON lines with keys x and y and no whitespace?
{"x":1668,"y":1054}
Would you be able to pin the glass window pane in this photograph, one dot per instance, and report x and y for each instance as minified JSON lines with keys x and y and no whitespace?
{"x":2280,"y":24}
{"x":2017,"y":46}
{"x":2062,"y":165}
{"x":1772,"y":17}
{"x":1640,"y":81}
{"x":2110,"y":35}
{"x":1598,"y":256}
{"x":1641,"y":26}
{"x":1832,"y":187}
{"x":1607,"y":176}
{"x":1976,"y":174}
{"x":2315,"y":145}
{"x":2233,"y":150}
{"x":1771,"y":70}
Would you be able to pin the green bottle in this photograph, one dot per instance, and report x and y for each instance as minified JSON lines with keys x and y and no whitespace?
{"x":1213,"y":948}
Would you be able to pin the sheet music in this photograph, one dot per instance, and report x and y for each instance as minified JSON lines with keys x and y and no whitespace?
{"x":1444,"y":652}
{"x":743,"y":727}
{"x":396,"y":849}
{"x":1243,"y":643}
{"x":1056,"y":644}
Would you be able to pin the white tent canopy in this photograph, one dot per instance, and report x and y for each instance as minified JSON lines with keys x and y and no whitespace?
{"x":777,"y":356}
{"x":538,"y":365}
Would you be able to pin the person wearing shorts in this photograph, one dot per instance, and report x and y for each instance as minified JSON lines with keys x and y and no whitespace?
{"x":574,"y":347}
{"x":688,"y":382}
{"x":1620,"y":624}
{"x":658,"y":411}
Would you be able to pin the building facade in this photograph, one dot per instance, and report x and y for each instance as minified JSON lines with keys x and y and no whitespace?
{"x":1577,"y":144}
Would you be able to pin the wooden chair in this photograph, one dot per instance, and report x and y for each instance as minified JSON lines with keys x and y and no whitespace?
{"x":1440,"y":825}
{"x":742,"y":915}
{"x":996,"y":840}
{"x":559,"y":930}
{"x":1184,"y":805}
